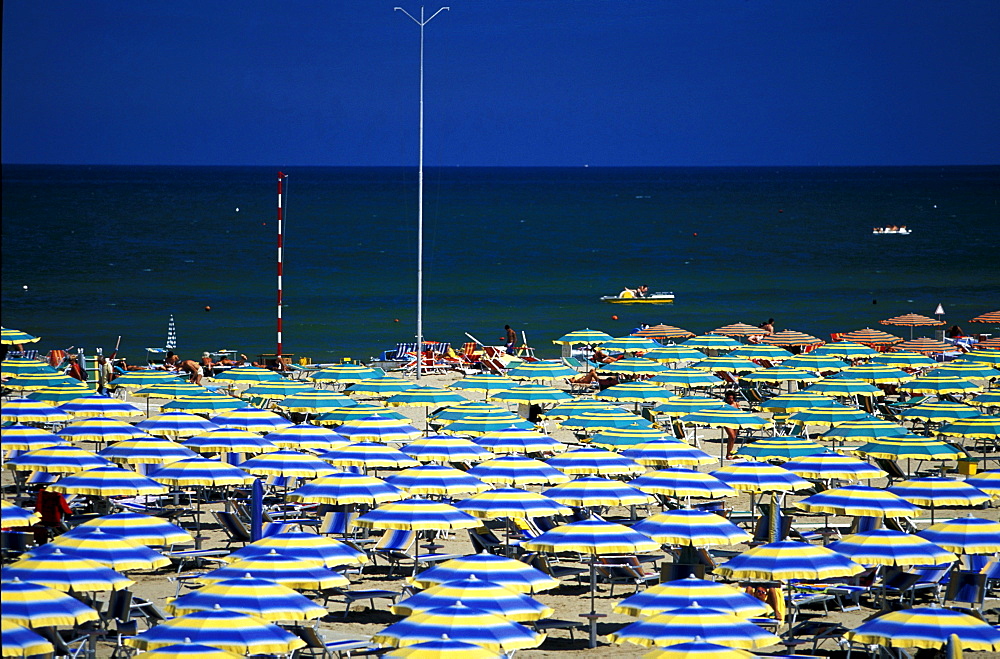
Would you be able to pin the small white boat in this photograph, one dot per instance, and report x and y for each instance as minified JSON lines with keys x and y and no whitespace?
{"x":896,"y":231}
{"x":628,"y":297}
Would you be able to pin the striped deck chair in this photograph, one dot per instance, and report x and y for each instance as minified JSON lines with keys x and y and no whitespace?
{"x":57,"y":358}
{"x":394,"y":546}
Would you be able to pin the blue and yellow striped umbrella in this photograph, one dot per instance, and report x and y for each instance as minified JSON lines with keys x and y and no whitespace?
{"x":66,"y":572}
{"x":206,"y":403}
{"x":510,"y":573}
{"x":460,"y":623}
{"x":12,"y":516}
{"x":276,"y":389}
{"x":176,"y":424}
{"x":200,"y":471}
{"x":245,"y":374}
{"x":307,"y":546}
{"x":145,"y":529}
{"x":584,"y":336}
{"x":760,"y":477}
{"x":108,"y":481}
{"x":417,"y":515}
{"x":593,"y":537}
{"x":910,"y":446}
{"x":826,"y":466}
{"x":26,"y":410}
{"x":845,"y":350}
{"x":317,"y":401}
{"x":260,"y":598}
{"x":797,"y":402}
{"x":108,"y":549}
{"x":940,"y":411}
{"x":865,"y":429}
{"x":297,"y":573}
{"x":59,"y":459}
{"x":229,"y":440}
{"x":306,"y":436}
{"x":148,"y":450}
{"x":681,"y":593}
{"x":630,"y":344}
{"x":927,"y":627}
{"x":423,"y":396}
{"x":436,"y":479}
{"x":966,"y":535}
{"x":843,"y":387}
{"x":443,"y":648}
{"x":20,"y":641}
{"x":858,"y":500}
{"x":875,"y":374}
{"x":372,"y":455}
{"x":475,"y":593}
{"x":694,"y":622}
{"x":634,"y":366}
{"x":695,"y":649}
{"x":827,"y":415}
{"x":171,"y":387}
{"x":675,"y":354}
{"x":724,"y":417}
{"x":692,"y":528}
{"x":980,"y":427}
{"x":378,"y":428}
{"x":591,"y":491}
{"x":594,"y":461}
{"x":446,"y":448}
{"x":16,"y":366}
{"x":888,"y":547}
{"x":144,"y":378}
{"x":940,"y":385}
{"x":987,"y":481}
{"x":788,"y":559}
{"x":935,"y":491}
{"x":667,"y":453}
{"x":635,"y":392}
{"x":510,"y":502}
{"x":384,"y":386}
{"x":344,"y":374}
{"x":481,"y":424}
{"x":59,"y":394}
{"x":685,"y":378}
{"x":100,"y":405}
{"x":37,"y":380}
{"x":541,"y":371}
{"x":816,"y":363}
{"x":342,"y":488}
{"x":34,"y":605}
{"x":630,"y":436}
{"x":186,"y":650}
{"x":486,"y":382}
{"x":712,"y":342}
{"x":27,"y":438}
{"x":218,"y":628}
{"x":681,"y":482}
{"x":513,"y":440}
{"x":726,"y":364}
{"x":780,"y":374}
{"x":568,"y":408}
{"x":468,"y":408}
{"x":343,"y":415}
{"x":761,"y":351}
{"x":252,"y":419}
{"x":287,"y":463}
{"x":780,"y":448}
{"x":531,"y":394}
{"x":903,"y":359}
{"x":101,"y":429}
{"x":517,"y":470}
{"x":681,"y":405}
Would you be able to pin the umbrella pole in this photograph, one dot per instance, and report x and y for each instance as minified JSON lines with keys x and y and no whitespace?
{"x":197,"y":518}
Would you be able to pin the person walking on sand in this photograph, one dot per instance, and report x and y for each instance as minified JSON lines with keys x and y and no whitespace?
{"x":731,"y":433}
{"x":510,"y":339}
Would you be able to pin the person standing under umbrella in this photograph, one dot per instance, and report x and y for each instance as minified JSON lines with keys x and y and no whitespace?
{"x":731,"y":433}
{"x":51,"y":506}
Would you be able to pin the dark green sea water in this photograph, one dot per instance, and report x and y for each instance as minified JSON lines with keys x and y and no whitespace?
{"x":109,"y":251}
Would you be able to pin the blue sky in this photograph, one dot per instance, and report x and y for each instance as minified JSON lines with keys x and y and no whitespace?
{"x":540,"y":82}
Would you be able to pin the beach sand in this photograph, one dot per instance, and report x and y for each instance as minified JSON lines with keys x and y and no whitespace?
{"x":570,"y":601}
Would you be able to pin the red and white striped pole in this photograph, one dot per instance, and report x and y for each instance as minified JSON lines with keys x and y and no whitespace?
{"x":281,"y":249}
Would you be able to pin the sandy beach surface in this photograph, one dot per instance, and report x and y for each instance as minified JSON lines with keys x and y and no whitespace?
{"x":569,"y":601}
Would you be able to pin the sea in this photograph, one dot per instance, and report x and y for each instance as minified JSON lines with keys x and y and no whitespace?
{"x":95,"y":256}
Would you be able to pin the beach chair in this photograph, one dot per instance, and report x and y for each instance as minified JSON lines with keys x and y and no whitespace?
{"x":491,"y":360}
{"x":967,"y":587}
{"x":555,"y":570}
{"x":624,"y":570}
{"x":233,"y":526}
{"x":892,"y":469}
{"x":484,"y":540}
{"x":906,"y":584}
{"x":317,"y":645}
{"x":394,"y":546}
{"x":338,"y":522}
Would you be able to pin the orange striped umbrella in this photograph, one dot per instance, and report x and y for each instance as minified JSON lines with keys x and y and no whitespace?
{"x":791,"y":338}
{"x":912,"y":320}
{"x":989,"y":344}
{"x":739,"y":329}
{"x":871,"y":337}
{"x":662,"y":331}
{"x":924,"y":346}
{"x":992,"y":317}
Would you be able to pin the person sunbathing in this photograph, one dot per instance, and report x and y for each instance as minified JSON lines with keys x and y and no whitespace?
{"x":591,"y":377}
